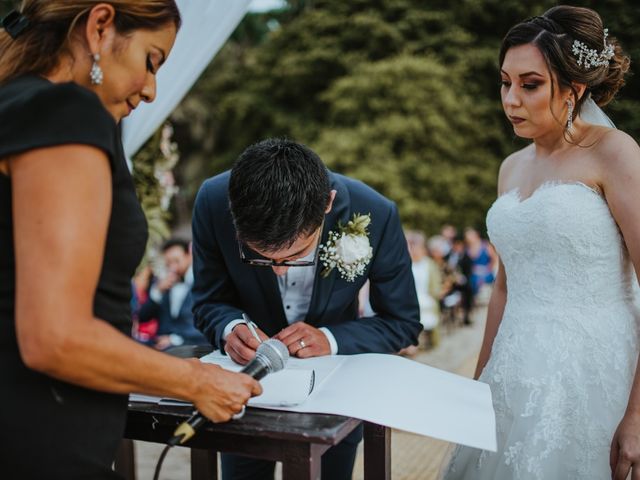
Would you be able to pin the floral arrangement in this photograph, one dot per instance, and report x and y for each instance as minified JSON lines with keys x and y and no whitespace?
{"x":348,"y":248}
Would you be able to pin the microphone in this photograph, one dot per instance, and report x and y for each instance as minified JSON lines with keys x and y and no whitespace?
{"x":271,"y":357}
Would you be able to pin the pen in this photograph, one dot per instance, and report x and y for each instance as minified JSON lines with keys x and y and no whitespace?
{"x":251,"y":327}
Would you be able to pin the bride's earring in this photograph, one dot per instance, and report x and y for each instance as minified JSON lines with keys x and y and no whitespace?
{"x":96,"y":72}
{"x":569,"y":115}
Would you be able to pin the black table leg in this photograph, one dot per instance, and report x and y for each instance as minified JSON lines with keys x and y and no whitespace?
{"x":302,"y":461}
{"x":204,"y":464}
{"x":125,"y":461}
{"x":377,"y":452}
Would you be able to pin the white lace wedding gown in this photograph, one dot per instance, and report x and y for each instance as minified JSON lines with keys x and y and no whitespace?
{"x":564,"y":357}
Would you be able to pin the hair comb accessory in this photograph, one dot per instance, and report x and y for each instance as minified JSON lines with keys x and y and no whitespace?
{"x":14,"y":23}
{"x":588,"y":57}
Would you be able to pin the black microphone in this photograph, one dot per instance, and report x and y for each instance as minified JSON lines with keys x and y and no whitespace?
{"x":271,"y":356}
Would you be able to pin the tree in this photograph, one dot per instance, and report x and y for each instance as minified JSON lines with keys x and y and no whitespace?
{"x":402,"y":126}
{"x":400,"y":93}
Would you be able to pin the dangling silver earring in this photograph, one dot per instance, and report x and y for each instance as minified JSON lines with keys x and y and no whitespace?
{"x":96,"y":72}
{"x":569,"y":115}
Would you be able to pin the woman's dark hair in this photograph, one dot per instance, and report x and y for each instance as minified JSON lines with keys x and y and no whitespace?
{"x":38,"y":48}
{"x":554,"y":33}
{"x":278,"y":191}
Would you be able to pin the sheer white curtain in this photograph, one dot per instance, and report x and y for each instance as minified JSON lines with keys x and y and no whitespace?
{"x":206,"y":25}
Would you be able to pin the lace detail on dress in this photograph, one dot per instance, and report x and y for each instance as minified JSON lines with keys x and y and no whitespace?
{"x":565,"y":354}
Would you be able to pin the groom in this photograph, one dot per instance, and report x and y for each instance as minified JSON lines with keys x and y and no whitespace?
{"x":258,"y":238}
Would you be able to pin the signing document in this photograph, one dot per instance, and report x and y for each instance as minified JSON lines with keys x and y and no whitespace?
{"x":383,"y":389}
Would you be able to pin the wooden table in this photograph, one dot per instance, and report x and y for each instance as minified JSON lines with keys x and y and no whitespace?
{"x":298,"y":440}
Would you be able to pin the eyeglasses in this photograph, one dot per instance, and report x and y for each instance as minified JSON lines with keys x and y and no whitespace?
{"x":265,"y":262}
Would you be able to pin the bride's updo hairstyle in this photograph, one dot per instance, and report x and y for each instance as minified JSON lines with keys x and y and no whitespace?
{"x":554,"y":34}
{"x":44,"y":32}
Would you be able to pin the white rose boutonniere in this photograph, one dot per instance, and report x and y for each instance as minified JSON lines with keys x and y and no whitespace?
{"x":348,"y":249}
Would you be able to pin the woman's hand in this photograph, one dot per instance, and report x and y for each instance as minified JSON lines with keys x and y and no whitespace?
{"x":220,"y":394}
{"x":625,"y":449}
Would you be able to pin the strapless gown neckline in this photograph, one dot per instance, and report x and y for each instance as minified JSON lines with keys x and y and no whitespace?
{"x":548,"y":185}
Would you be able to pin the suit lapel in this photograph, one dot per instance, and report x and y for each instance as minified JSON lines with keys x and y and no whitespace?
{"x":322,"y":287}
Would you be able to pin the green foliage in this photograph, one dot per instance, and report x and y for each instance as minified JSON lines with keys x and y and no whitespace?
{"x":400,"y":126}
{"x":402,"y":94}
{"x":356,"y":226}
{"x":6,"y":6}
{"x":150,"y":194}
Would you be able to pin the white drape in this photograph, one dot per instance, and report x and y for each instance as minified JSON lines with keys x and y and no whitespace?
{"x":206,"y":25}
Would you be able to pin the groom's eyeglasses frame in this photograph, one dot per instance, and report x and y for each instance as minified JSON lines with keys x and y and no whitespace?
{"x":265,"y":262}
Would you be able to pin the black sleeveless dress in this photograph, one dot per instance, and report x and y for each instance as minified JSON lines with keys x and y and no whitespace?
{"x":51,"y":429}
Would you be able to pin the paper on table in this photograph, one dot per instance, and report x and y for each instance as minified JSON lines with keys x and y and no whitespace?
{"x":406,"y":395}
{"x":288,"y":387}
{"x":399,"y":393}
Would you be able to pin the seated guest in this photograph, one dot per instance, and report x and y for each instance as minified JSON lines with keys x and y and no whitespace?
{"x":288,"y":244}
{"x":170,"y":300}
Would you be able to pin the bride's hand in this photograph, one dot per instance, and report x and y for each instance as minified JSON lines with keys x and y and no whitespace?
{"x":625,"y":449}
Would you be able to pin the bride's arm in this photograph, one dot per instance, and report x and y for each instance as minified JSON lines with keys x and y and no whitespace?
{"x":499,"y":293}
{"x":621,"y":184}
{"x":494,"y":317}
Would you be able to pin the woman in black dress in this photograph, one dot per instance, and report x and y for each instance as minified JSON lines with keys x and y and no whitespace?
{"x":71,"y":235}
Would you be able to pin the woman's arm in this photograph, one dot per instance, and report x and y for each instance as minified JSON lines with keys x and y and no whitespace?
{"x":621,"y":186}
{"x":494,"y":317}
{"x":61,"y":208}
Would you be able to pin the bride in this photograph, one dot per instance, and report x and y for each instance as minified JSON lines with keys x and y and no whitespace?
{"x":561,"y":342}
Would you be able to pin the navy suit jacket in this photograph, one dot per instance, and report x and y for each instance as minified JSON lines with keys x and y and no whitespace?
{"x":224,"y":287}
{"x":182,"y":325}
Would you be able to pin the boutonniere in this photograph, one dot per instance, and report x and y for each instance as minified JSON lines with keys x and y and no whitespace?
{"x":347,"y":249}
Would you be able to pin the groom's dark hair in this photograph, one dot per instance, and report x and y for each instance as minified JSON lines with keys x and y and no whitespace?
{"x":278,"y":191}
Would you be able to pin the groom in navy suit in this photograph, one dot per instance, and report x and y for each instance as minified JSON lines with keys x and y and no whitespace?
{"x":258,"y":233}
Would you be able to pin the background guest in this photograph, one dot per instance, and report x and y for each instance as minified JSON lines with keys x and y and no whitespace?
{"x":141,"y":284}
{"x":170,"y":299}
{"x":426,"y":275}
{"x":459,"y":262}
{"x":484,"y":260}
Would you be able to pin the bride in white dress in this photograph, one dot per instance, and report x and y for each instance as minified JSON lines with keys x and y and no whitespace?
{"x":561,"y":342}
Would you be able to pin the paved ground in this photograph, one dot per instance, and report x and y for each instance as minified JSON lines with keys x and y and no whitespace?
{"x":413,"y":457}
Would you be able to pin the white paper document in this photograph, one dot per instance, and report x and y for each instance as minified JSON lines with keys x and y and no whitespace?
{"x":401,"y":393}
{"x":286,"y":388}
{"x":384,"y":389}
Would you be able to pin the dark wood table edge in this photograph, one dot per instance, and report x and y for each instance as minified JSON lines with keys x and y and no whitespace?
{"x":300,"y":458}
{"x":377,"y":443}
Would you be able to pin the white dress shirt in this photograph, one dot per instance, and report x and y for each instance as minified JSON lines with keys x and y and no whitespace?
{"x":296,"y":289}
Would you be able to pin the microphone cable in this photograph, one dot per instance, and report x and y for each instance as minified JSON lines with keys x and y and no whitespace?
{"x":165,"y":450}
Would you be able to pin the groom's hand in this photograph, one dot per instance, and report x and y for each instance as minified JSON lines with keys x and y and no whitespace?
{"x":241,"y":345}
{"x":304,"y":341}
{"x":625,"y":449}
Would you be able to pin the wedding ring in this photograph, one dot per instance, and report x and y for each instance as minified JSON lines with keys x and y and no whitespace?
{"x":301,"y":343}
{"x":240,"y":414}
